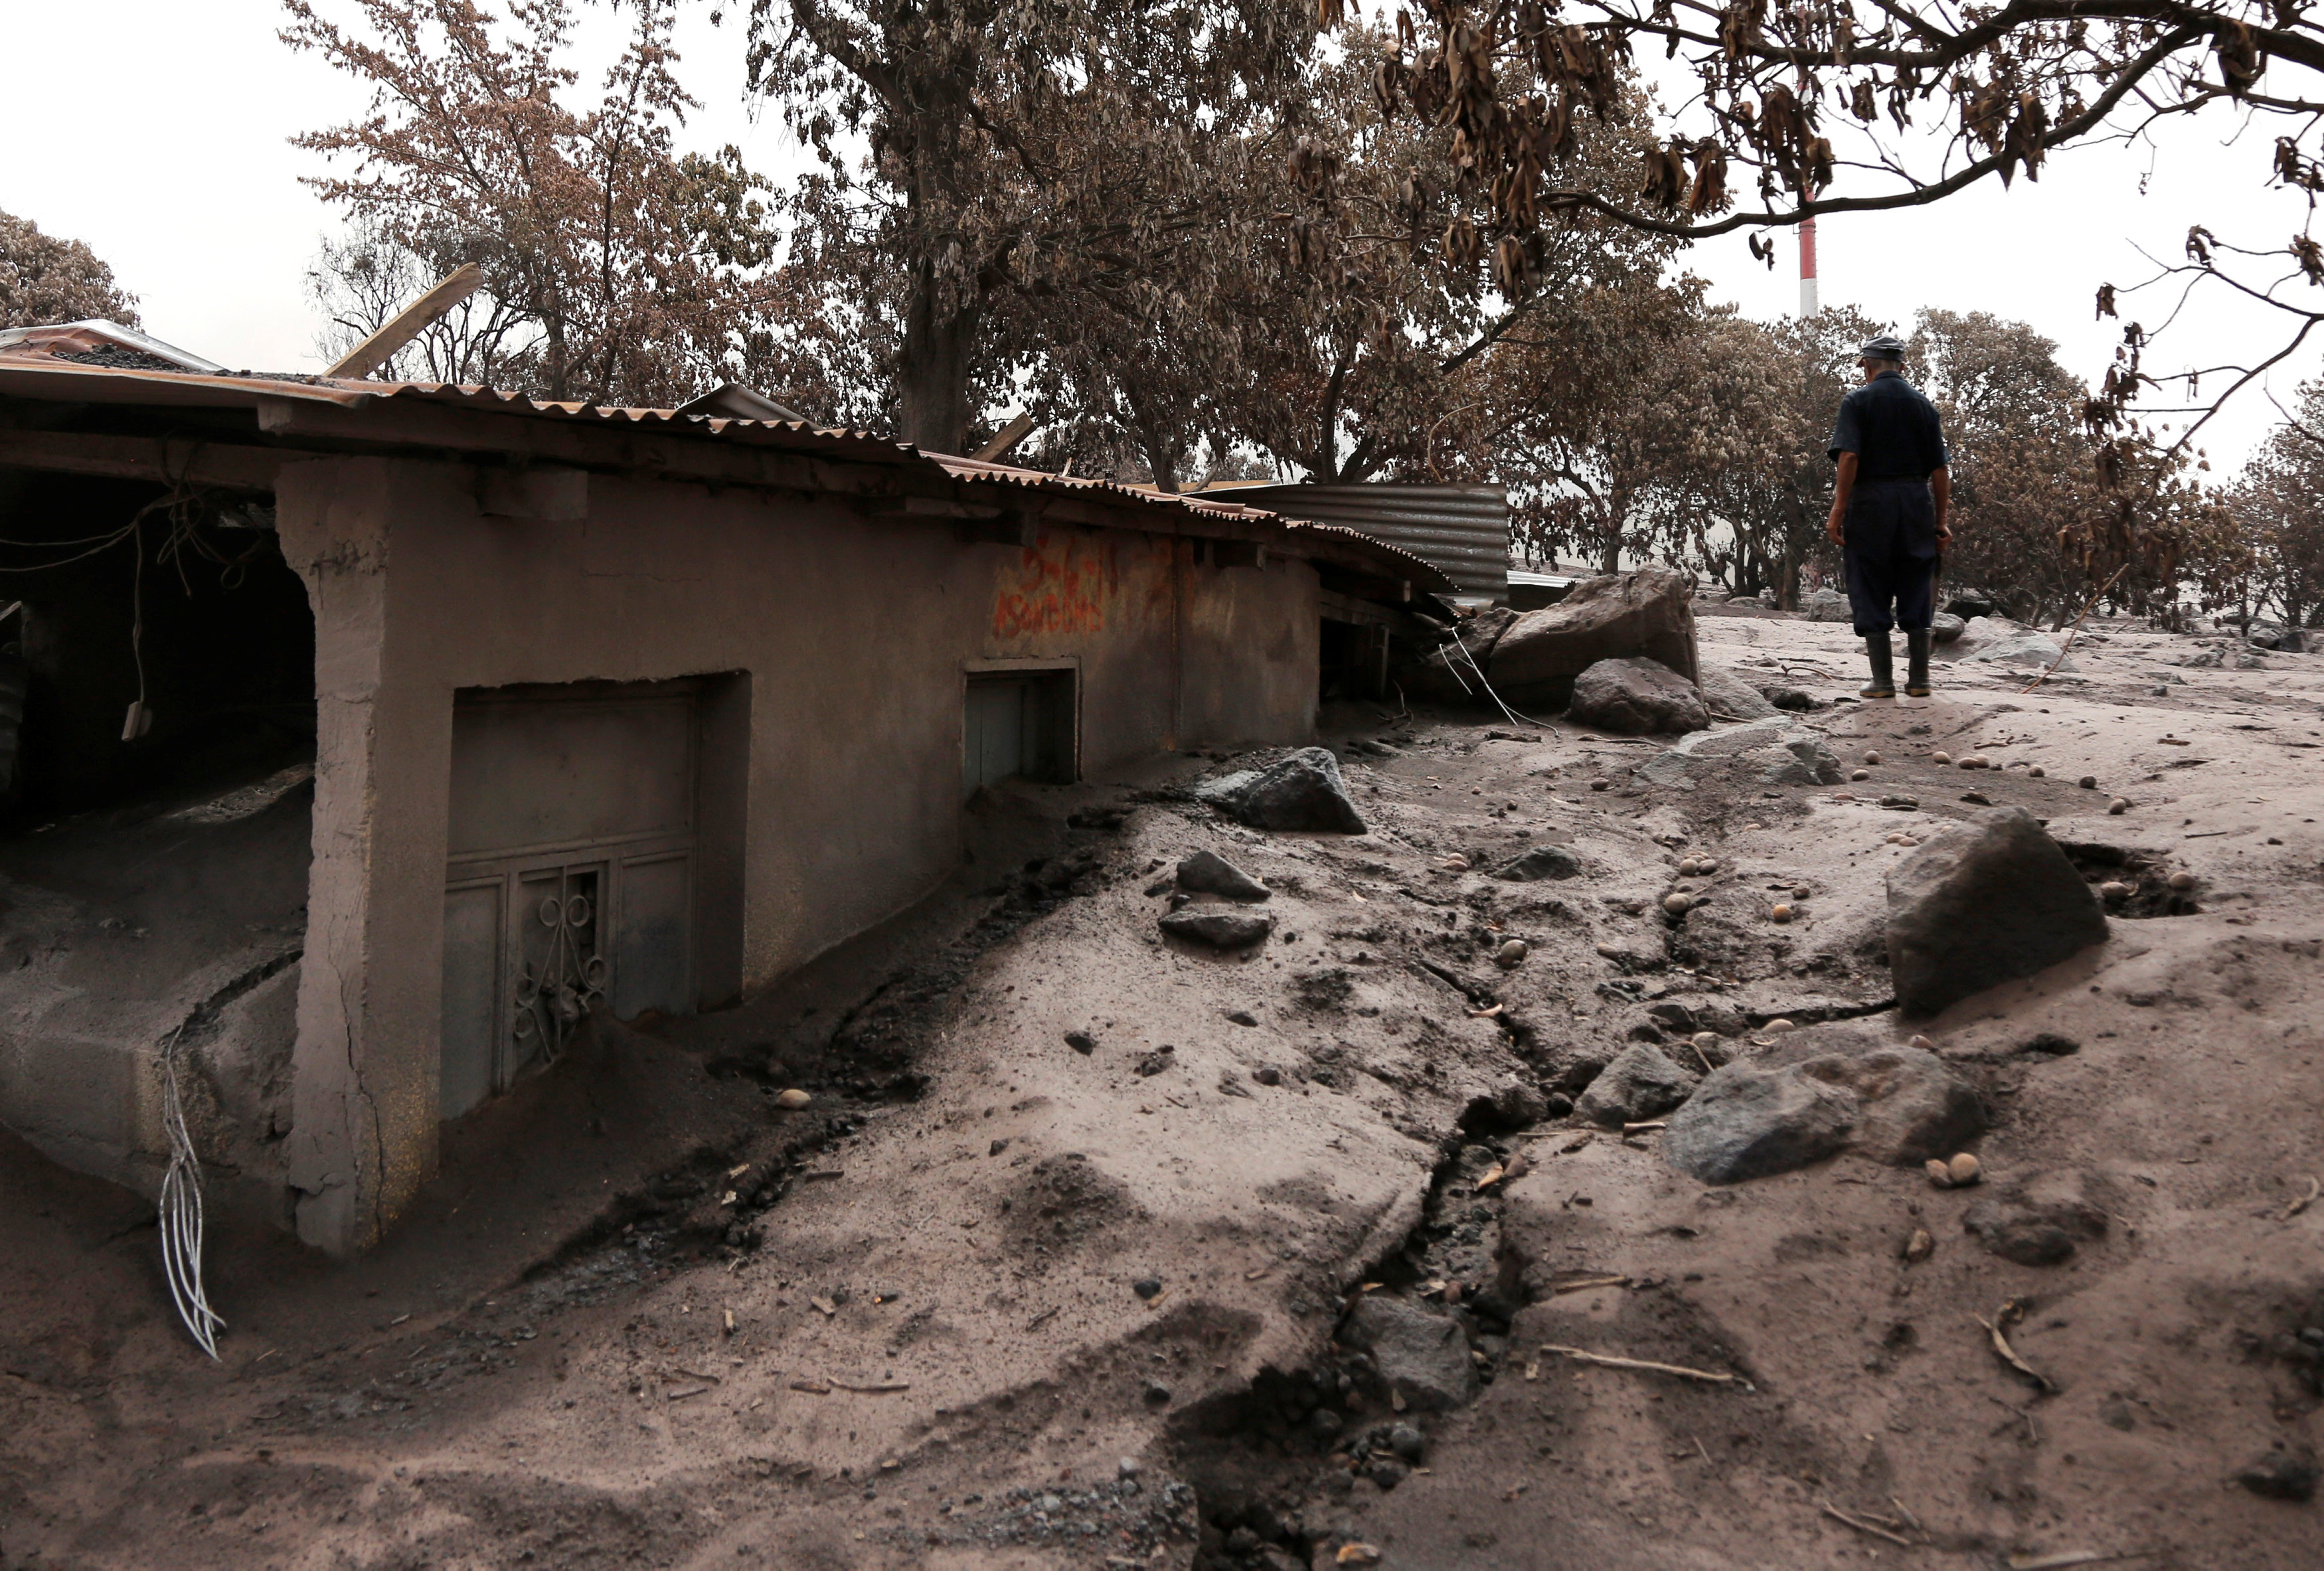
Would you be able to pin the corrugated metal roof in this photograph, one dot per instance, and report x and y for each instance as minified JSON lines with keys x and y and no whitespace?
{"x":1463,"y":529}
{"x":1424,"y":573}
{"x":28,"y":372}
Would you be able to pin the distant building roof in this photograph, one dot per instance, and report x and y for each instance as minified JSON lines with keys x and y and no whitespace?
{"x":98,"y":342}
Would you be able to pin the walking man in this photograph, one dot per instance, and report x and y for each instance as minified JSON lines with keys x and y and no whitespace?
{"x":1888,"y":511}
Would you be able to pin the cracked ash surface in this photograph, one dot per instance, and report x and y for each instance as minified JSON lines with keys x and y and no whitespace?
{"x":1056,"y":1269}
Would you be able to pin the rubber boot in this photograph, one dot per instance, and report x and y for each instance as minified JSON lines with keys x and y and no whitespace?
{"x":1884,"y":670}
{"x":1916,"y":674}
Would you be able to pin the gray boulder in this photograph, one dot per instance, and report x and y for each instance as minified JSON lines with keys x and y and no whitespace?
{"x":1643,"y":611}
{"x":1803,"y":759}
{"x":2023,"y":648}
{"x":1304,"y":791}
{"x":1541,"y":862}
{"x":1694,"y":754}
{"x":1220,"y":927}
{"x":1825,"y":605}
{"x":1988,"y":900}
{"x":1909,"y":1107}
{"x":1946,"y":628}
{"x":2039,"y":1219}
{"x":1639,"y":1084}
{"x":1746,"y":1122}
{"x":1208,"y":872}
{"x":1826,"y":1092}
{"x":1421,"y":1353}
{"x":1636,"y":696}
{"x":1731,"y":698}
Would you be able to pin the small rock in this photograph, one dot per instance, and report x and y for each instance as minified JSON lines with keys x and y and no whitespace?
{"x":1940,"y":758}
{"x":1964,"y":1169}
{"x":2089,"y":782}
{"x":794,"y":1100}
{"x":1208,"y":872}
{"x":1940,"y":1171}
{"x":1919,"y":1247}
{"x":1706,"y":867}
{"x":1155,"y":1393}
{"x":1510,"y":954}
{"x":1220,"y":928}
{"x":1975,"y":760}
{"x":2036,"y":1220}
{"x":1871,"y":758}
{"x":1600,"y":785}
{"x":1976,"y":799}
{"x":1801,"y":891}
{"x":1267,"y":1075}
{"x":1357,"y":1554}
{"x":1128,"y":1468}
{"x":1557,"y":1104}
{"x":2118,"y":807}
{"x":1388,"y":1472}
{"x":1689,"y":868}
{"x":1775,"y":1027}
{"x":1081,"y":1042}
{"x":1326,"y":1423}
{"x":2279,"y":1475}
{"x":1147,"y":1287}
{"x":2182,"y":882}
{"x":1678,"y":904}
{"x":1859,"y":774}
{"x":1640,"y":1084}
{"x":2114,"y":889}
{"x":1241,"y":1017}
{"x":2037,"y":773}
{"x":1731,"y":698}
{"x":1543,"y":862}
{"x":1419,"y":1354}
{"x":1781,"y":913}
{"x":1408,"y":1443}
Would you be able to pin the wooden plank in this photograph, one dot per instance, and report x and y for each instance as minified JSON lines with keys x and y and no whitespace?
{"x":1008,"y":436}
{"x":409,"y":323}
{"x":159,"y":459}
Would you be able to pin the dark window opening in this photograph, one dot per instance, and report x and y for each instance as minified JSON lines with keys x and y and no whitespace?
{"x":121,"y":590}
{"x":1353,"y":660}
{"x":1019,"y":726}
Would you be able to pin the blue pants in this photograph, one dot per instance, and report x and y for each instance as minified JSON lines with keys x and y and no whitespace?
{"x":1891,"y":555}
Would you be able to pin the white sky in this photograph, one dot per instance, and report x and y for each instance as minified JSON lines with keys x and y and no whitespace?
{"x":157,"y":131}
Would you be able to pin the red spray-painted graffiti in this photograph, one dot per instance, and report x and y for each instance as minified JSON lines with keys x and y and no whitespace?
{"x":1054,"y":589}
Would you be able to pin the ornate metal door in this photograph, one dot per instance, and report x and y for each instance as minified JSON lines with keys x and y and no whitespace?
{"x":569,"y":881}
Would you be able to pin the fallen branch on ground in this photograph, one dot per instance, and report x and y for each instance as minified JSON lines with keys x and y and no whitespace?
{"x":1861,"y":1525}
{"x":2303,"y":1203}
{"x":2009,"y":1314}
{"x":1608,"y":1360}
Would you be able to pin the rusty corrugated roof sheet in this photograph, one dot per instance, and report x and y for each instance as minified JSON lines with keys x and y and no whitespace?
{"x":29,"y":372}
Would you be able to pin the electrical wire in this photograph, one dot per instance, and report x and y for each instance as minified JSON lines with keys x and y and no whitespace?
{"x":1513,"y":716}
{"x":181,"y":1213}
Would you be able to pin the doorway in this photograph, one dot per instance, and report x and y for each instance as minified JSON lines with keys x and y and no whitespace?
{"x":574,"y":874}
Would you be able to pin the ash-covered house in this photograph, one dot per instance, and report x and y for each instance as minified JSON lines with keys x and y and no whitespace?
{"x":372,"y":732}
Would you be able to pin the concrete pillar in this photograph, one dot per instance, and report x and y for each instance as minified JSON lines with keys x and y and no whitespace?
{"x":364,"y":1096}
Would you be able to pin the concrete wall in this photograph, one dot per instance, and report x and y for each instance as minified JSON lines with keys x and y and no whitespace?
{"x":855,"y":634}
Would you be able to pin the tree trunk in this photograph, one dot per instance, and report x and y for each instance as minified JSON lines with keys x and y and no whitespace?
{"x":932,"y":383}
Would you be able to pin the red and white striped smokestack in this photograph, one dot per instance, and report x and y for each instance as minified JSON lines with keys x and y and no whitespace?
{"x":1808,"y":303}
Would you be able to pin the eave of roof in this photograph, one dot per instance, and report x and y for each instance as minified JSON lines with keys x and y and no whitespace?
{"x":44,"y":378}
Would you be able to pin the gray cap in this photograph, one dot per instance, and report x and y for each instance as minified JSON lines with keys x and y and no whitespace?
{"x":1886,"y":346}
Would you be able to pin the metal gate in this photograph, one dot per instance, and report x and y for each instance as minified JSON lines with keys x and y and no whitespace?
{"x":569,"y":878}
